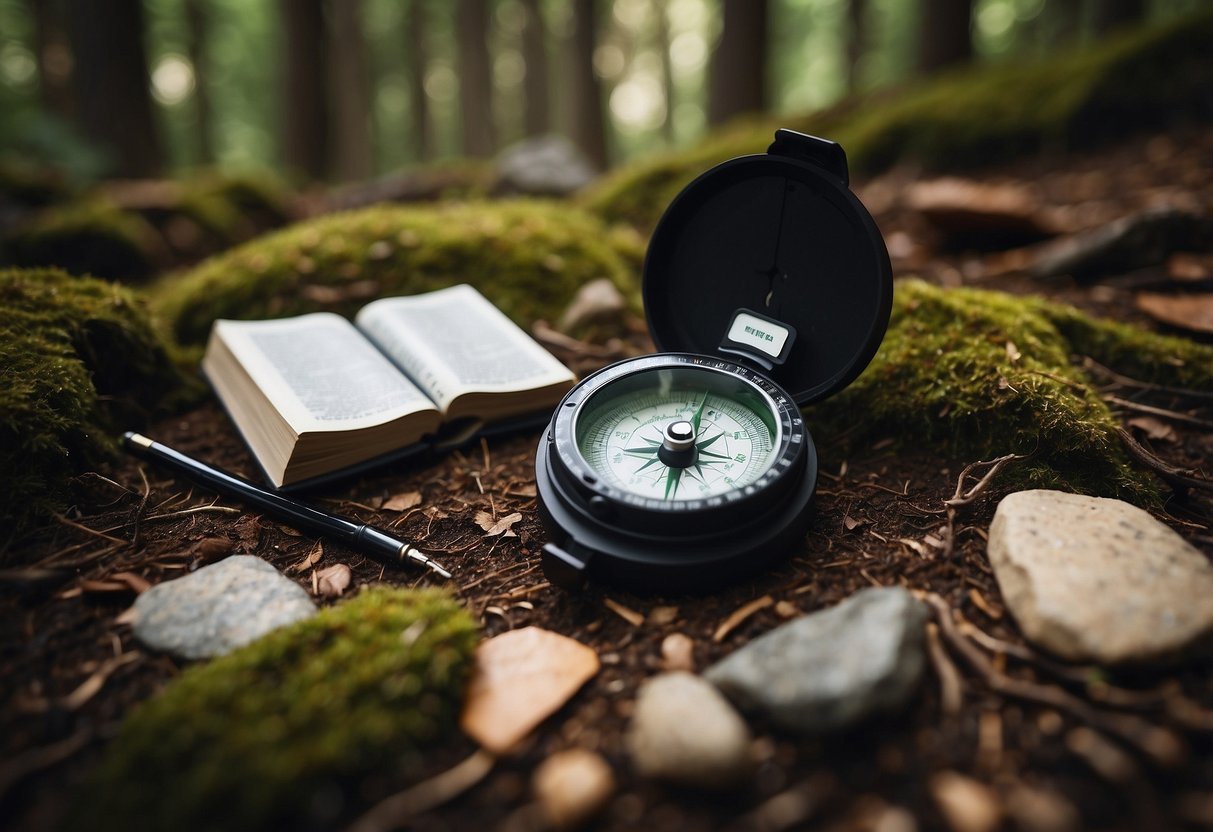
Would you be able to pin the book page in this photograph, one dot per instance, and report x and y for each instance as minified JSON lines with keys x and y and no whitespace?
{"x":320,"y":372}
{"x":454,"y":341}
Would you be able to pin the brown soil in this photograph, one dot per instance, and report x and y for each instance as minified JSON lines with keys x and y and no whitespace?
{"x":879,"y":519}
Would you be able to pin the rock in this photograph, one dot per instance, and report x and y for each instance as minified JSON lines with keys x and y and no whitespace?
{"x":597,"y":302}
{"x":572,"y":787}
{"x":967,"y":806}
{"x":543,"y":166}
{"x":684,"y":731}
{"x":1130,"y":243}
{"x":218,"y":608}
{"x":1098,"y":580}
{"x":833,"y":668}
{"x":678,"y":653}
{"x":520,"y":678}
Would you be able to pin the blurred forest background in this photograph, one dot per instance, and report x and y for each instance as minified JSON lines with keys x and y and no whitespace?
{"x":346,"y":90}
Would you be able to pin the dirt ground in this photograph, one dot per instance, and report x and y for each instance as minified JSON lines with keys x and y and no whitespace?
{"x":1054,"y":742}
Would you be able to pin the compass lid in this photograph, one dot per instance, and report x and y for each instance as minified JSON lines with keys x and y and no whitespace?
{"x":772,"y":260}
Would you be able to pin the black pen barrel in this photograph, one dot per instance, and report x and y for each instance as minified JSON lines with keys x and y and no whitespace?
{"x":287,"y":510}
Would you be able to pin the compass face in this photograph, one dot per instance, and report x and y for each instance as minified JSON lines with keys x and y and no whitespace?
{"x":621,"y":434}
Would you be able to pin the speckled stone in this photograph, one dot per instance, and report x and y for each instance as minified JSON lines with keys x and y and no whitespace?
{"x":218,"y":608}
{"x":684,"y":731}
{"x":1097,"y":580}
{"x":831,"y":669}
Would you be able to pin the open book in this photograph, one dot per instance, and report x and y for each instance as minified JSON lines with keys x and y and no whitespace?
{"x":316,"y":395}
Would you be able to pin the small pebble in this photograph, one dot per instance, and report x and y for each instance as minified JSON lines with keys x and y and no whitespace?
{"x":678,"y":653}
{"x":967,"y":806}
{"x":572,"y":787}
{"x":684,"y":731}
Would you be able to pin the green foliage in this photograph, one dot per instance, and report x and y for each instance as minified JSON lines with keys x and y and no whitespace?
{"x":277,"y":734}
{"x":970,"y":117}
{"x":528,"y":257}
{"x":79,"y":361}
{"x":988,"y":374}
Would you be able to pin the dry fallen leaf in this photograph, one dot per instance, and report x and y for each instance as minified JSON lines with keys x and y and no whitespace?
{"x":1153,"y":427}
{"x":313,"y":557}
{"x":500,"y":526}
{"x":403,"y":501}
{"x":1194,"y":312}
{"x":519,"y":678}
{"x":331,"y":581}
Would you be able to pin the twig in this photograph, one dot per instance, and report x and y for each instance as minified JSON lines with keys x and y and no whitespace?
{"x":739,"y":616}
{"x":16,"y":769}
{"x":195,"y":510}
{"x":87,"y":530}
{"x":961,"y":497}
{"x":393,"y":812}
{"x":1091,"y":364}
{"x":1174,"y":416}
{"x":1160,"y":744}
{"x":1177,"y":478}
{"x":147,"y":490}
{"x":951,"y":686}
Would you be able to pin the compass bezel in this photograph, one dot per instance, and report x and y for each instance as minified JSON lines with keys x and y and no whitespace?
{"x":785,"y":467}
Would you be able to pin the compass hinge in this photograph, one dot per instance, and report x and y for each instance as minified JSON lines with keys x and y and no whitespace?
{"x":824,"y":153}
{"x":566,"y":566}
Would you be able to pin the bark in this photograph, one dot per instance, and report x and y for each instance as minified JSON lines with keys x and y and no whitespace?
{"x":350,"y":91}
{"x":857,"y":37}
{"x":661,"y":10}
{"x":114,"y":102}
{"x":587,"y":121}
{"x":418,"y":62}
{"x":305,"y":118}
{"x":198,"y":34}
{"x":53,"y":54}
{"x":475,"y":78}
{"x":737,"y":82}
{"x":945,"y":34}
{"x":537,"y":116}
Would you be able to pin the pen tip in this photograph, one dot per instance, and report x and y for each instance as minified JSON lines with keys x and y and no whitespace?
{"x":426,"y":561}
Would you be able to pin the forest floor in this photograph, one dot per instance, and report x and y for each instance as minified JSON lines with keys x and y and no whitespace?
{"x":71,"y":671}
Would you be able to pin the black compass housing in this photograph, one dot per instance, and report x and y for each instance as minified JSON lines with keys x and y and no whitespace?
{"x":766,"y":267}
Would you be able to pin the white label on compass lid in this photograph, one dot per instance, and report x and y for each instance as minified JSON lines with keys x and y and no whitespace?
{"x":760,"y":334}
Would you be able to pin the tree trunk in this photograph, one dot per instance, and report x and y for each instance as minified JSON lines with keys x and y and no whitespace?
{"x":418,"y":61}
{"x":857,"y":37}
{"x":198,"y":34}
{"x":53,"y":55}
{"x":587,"y":122}
{"x":475,"y":78}
{"x":1118,"y":14}
{"x":305,"y":118}
{"x":537,"y":116}
{"x":350,"y":92}
{"x":114,"y":103}
{"x":737,"y":81}
{"x":945,"y":37}
{"x":662,"y":12}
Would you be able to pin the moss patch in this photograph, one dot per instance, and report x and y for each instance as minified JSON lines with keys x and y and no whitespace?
{"x":527,"y":257}
{"x":277,"y":734}
{"x":79,"y":361}
{"x":987,"y":374}
{"x":90,"y":236}
{"x":976,"y":116}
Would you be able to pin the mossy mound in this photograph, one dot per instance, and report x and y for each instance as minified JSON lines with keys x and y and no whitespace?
{"x":986,"y":374}
{"x":129,"y":231}
{"x":280,"y":734}
{"x":976,"y":116}
{"x":528,"y":257}
{"x":80,"y":362}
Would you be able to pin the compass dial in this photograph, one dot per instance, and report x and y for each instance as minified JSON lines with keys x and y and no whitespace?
{"x":733,"y":446}
{"x":629,"y":434}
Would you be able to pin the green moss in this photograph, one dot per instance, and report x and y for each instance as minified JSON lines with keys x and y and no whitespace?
{"x":528,"y":257}
{"x":79,"y":361}
{"x":987,"y":374}
{"x":971,"y":117}
{"x":278,"y":734}
{"x":90,"y":236}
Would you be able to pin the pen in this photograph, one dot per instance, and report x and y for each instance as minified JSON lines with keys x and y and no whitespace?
{"x":369,"y":540}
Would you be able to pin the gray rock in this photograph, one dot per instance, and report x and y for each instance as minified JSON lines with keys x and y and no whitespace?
{"x":543,"y":166}
{"x":219,"y":608}
{"x":833,"y":668}
{"x":684,"y":731}
{"x":1098,"y":580}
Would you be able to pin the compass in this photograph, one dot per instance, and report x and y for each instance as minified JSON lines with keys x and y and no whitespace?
{"x":769,"y":285}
